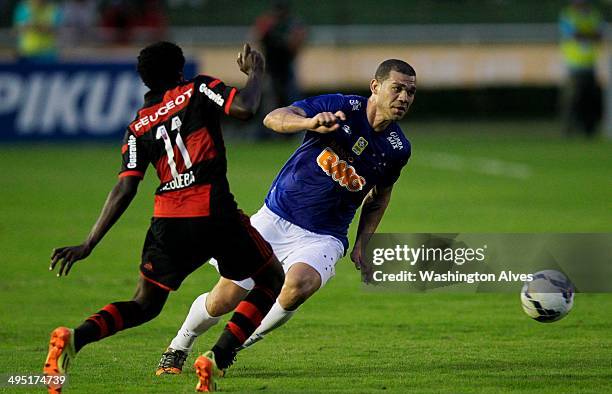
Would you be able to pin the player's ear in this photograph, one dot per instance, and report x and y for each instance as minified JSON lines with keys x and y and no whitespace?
{"x":374,"y":86}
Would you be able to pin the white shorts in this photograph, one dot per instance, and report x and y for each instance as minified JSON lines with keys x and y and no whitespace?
{"x":293,"y":244}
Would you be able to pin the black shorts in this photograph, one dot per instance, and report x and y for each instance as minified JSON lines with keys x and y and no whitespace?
{"x":175,"y":247}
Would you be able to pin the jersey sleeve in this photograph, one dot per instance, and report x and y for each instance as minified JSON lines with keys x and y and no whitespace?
{"x":399,"y":163}
{"x":135,"y":158}
{"x":318,"y":104}
{"x":215,"y":93}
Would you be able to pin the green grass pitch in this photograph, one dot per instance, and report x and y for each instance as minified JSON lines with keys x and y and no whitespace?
{"x":479,"y":177}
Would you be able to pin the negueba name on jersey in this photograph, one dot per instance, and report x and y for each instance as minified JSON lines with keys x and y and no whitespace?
{"x":180,"y":182}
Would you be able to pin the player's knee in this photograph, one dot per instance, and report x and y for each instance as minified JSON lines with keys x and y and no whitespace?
{"x":150,"y":309}
{"x":218,"y":306}
{"x":224,"y":297}
{"x":150,"y":299}
{"x":298,"y":288}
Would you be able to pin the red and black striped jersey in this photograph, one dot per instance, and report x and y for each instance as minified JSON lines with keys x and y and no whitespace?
{"x":179,"y":133}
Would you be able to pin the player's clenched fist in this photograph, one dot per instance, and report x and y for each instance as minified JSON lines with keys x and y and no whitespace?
{"x":250,"y":60}
{"x":326,"y":122}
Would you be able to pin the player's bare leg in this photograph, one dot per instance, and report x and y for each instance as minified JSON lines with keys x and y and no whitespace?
{"x":224,"y":297}
{"x":146,"y":304}
{"x":204,"y":313}
{"x":301,"y":282}
{"x":246,"y":318}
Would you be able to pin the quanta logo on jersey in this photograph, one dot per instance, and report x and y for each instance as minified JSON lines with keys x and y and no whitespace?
{"x":340,"y":171}
{"x":215,"y":97}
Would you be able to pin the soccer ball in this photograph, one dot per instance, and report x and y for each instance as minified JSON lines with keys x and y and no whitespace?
{"x":548,"y":297}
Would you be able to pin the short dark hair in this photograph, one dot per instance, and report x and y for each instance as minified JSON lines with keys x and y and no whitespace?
{"x":384,"y":68}
{"x":160,"y":65}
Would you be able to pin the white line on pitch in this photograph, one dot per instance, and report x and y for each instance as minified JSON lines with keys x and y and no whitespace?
{"x":481,"y":165}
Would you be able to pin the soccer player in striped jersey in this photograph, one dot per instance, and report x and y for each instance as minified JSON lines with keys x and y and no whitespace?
{"x":351,"y":156}
{"x":195,"y":217}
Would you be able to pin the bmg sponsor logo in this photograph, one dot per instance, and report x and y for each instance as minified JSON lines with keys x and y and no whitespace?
{"x":340,"y":170}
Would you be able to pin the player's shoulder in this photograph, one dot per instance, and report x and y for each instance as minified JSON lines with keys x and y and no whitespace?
{"x":204,"y":78}
{"x":335,"y":100}
{"x":354,"y":103}
{"x":205,"y":81}
{"x":329,"y":97}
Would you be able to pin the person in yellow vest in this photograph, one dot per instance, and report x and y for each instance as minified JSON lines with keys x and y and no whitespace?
{"x":581,"y":27}
{"x":37,"y":23}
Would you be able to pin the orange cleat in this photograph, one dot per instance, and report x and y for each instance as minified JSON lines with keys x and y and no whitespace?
{"x":207,"y":371}
{"x":61,"y":351}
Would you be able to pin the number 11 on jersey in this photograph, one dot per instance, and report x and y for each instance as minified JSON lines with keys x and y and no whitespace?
{"x":162,"y":133}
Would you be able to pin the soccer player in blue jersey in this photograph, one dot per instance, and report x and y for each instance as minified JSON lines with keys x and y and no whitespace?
{"x":351,"y":156}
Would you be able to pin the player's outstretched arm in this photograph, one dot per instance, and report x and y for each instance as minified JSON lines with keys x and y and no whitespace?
{"x":246,"y":102}
{"x":116,"y":203}
{"x":287,"y":120}
{"x":372,"y":211}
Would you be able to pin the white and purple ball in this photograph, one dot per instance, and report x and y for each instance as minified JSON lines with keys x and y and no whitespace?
{"x":548,"y":297}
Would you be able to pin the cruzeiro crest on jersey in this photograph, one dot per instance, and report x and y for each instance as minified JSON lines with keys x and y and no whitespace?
{"x":359,"y":146}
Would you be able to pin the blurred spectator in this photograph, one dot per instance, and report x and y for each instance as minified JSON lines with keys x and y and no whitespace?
{"x":117,"y":20}
{"x":79,"y":21}
{"x":281,"y":37}
{"x":151,"y":20}
{"x":125,"y":21}
{"x":37,"y":24}
{"x":581,"y":28}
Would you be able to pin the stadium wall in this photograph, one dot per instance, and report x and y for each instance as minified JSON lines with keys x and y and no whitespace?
{"x":72,"y":100}
{"x":438,"y":66}
{"x":461,"y":81}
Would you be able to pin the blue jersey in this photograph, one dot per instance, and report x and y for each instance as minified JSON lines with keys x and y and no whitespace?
{"x":326,"y":179}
